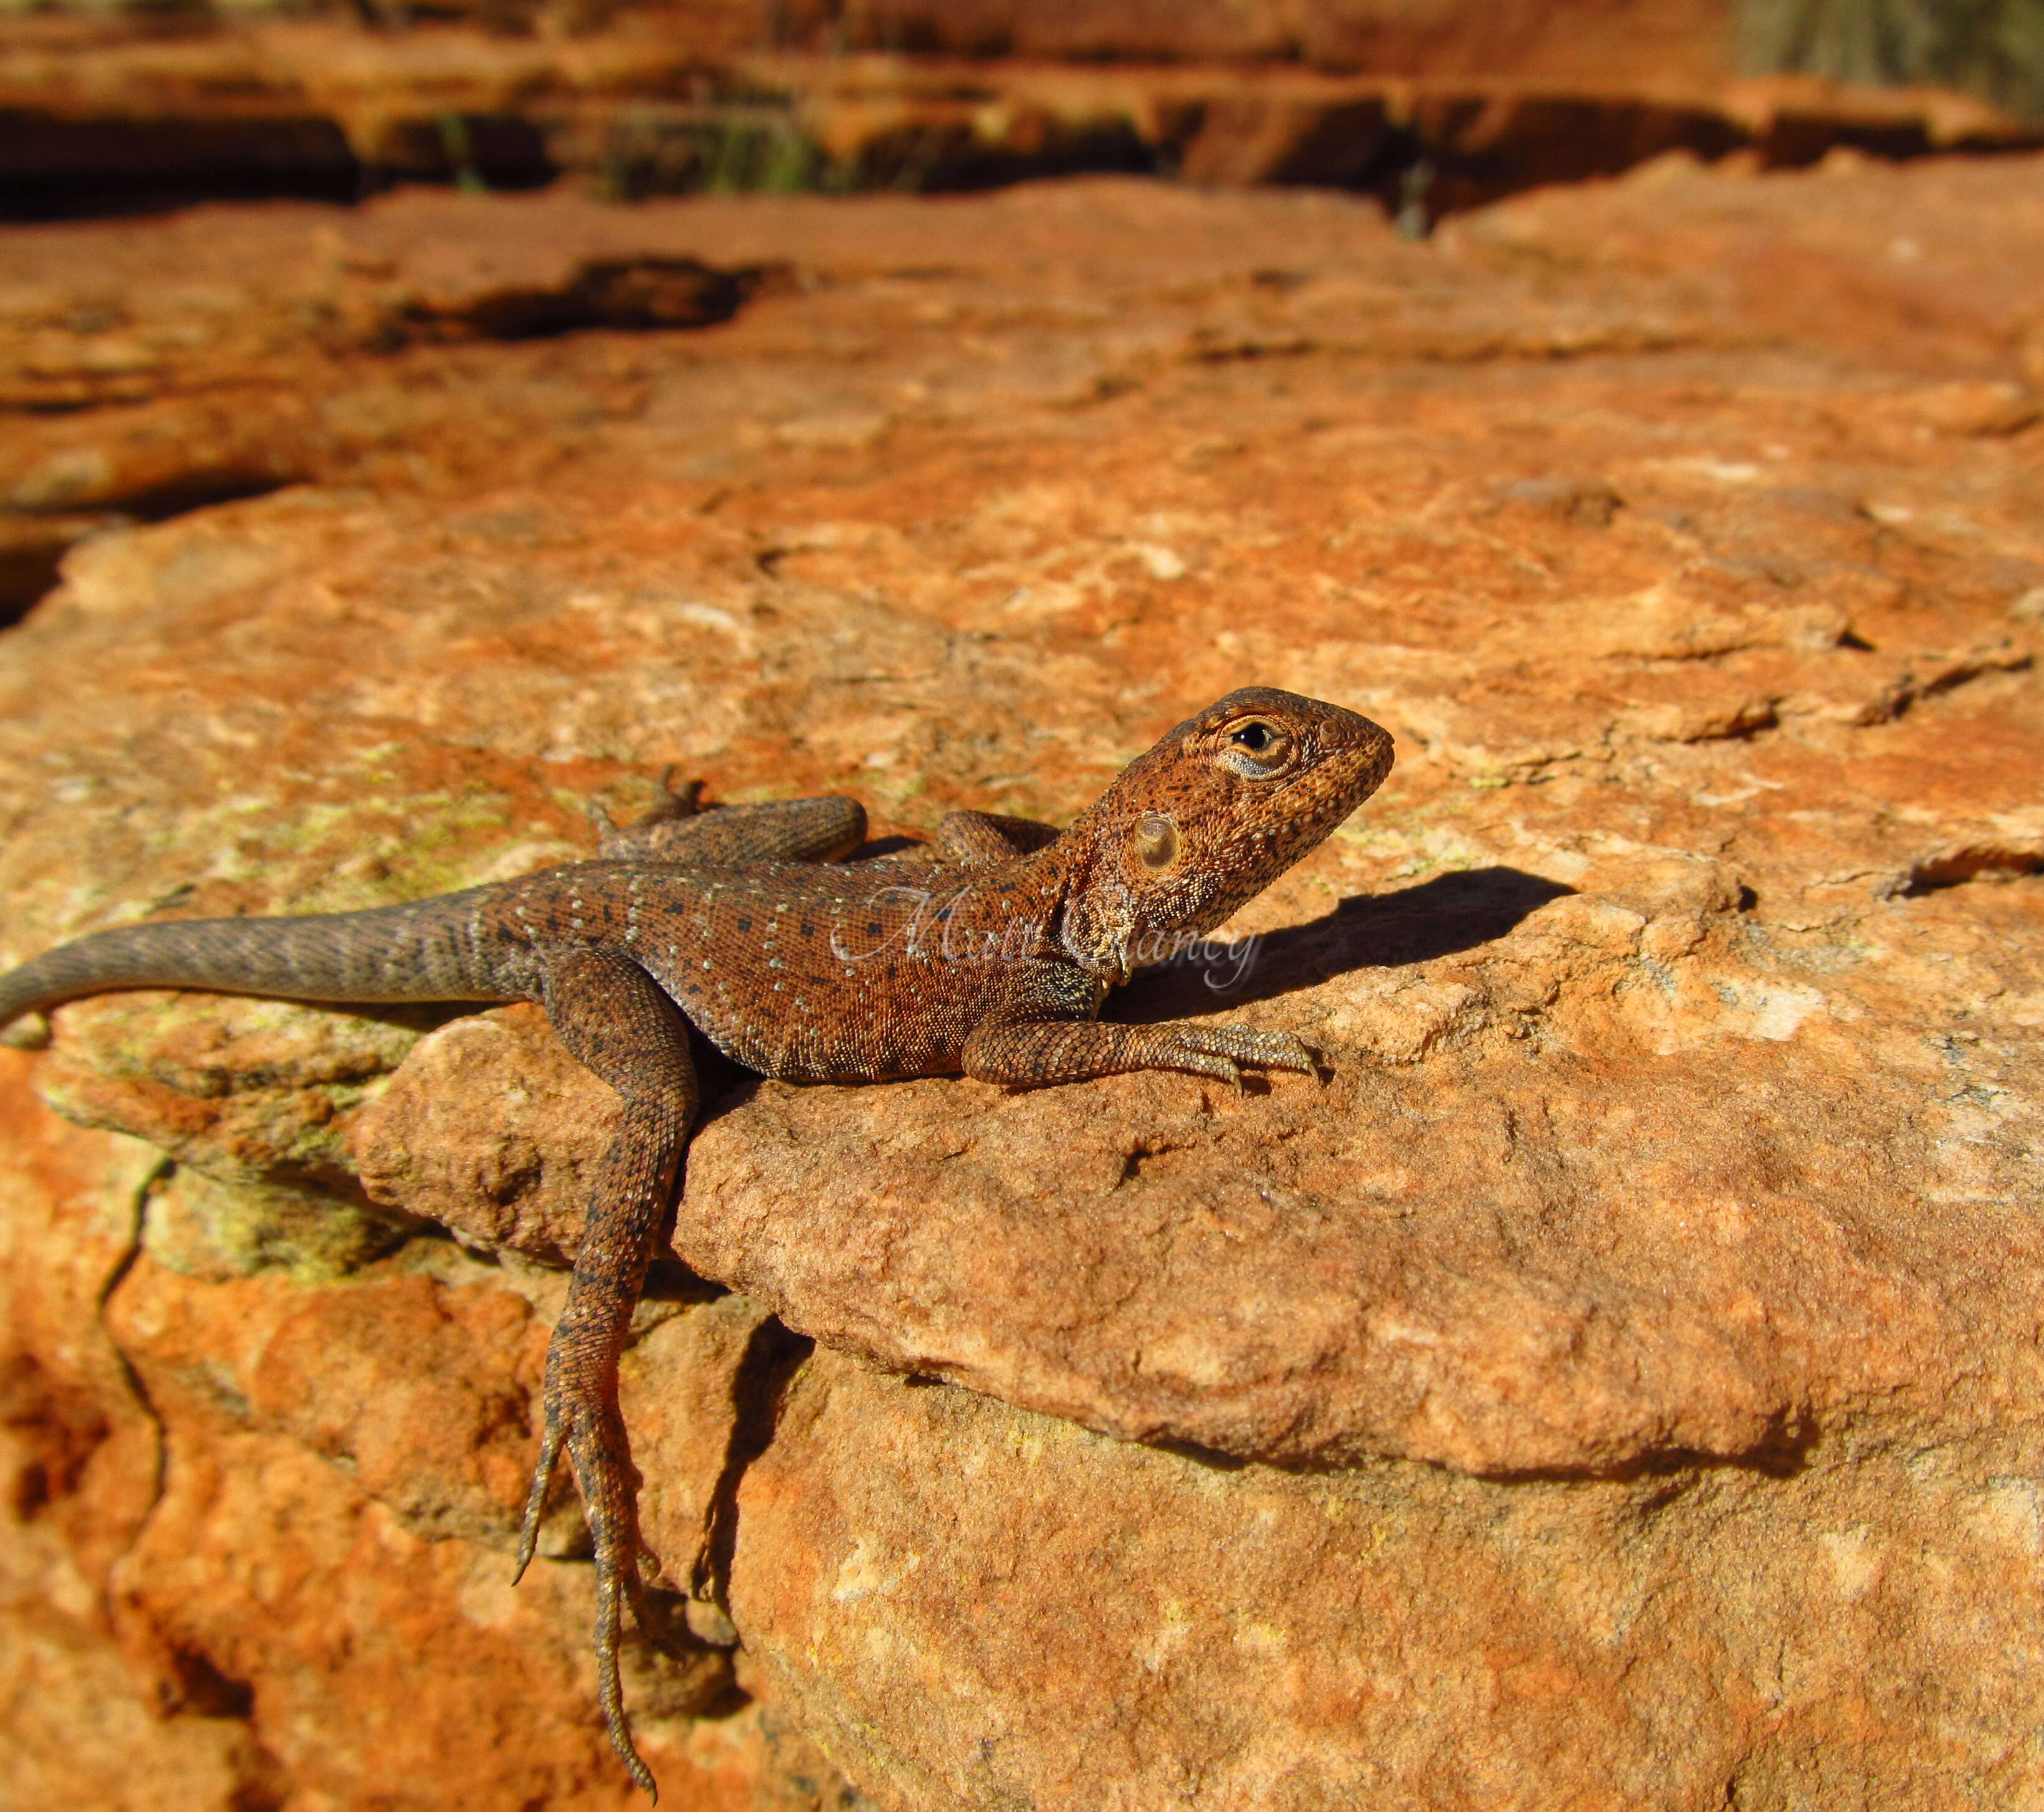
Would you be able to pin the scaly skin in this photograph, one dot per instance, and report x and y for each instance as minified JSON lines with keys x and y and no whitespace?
{"x":987,"y":954}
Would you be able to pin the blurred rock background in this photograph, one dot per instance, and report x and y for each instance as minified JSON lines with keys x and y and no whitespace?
{"x":1431,"y":105}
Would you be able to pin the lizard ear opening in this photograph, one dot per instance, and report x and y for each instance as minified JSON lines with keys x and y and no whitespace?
{"x":1156,"y":840}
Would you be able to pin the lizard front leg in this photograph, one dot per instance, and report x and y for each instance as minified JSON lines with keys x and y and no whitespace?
{"x":1045,"y":1032}
{"x":614,"y":1019}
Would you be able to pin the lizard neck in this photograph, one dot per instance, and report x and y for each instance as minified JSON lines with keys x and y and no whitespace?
{"x":1089,"y":914}
{"x":1035,"y":907}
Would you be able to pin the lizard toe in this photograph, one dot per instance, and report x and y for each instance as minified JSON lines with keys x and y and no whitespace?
{"x":584,"y":1422}
{"x":1264,"y":1050}
{"x":609,"y":1688}
{"x":1219,"y":1064}
{"x":536,"y":1495}
{"x":610,"y":1487}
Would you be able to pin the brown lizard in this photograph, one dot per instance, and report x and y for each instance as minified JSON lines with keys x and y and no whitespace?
{"x":988,"y":953}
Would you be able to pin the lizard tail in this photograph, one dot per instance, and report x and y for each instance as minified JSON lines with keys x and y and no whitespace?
{"x":423,"y":950}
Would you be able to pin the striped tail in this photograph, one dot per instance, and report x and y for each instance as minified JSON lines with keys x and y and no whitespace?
{"x":423,"y":950}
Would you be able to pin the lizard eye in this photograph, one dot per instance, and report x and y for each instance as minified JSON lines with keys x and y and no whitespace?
{"x":1156,"y":840}
{"x":1256,"y":749}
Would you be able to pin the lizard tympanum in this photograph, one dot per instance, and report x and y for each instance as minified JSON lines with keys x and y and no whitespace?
{"x":987,"y":953}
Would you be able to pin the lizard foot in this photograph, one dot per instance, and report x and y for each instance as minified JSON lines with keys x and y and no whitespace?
{"x":674,"y":803}
{"x":591,"y":1430}
{"x":1031,"y":1053}
{"x":1220,"y":1051}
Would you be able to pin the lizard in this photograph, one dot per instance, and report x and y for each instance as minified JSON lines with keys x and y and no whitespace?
{"x":987,"y":953}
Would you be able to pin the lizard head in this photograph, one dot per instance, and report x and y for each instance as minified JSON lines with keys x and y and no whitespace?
{"x":1207,"y":818}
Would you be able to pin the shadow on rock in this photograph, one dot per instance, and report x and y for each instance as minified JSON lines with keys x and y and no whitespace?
{"x":1449,"y":913}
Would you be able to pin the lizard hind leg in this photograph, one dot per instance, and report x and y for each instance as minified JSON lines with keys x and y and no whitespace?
{"x":615,"y":1019}
{"x":680,"y":829}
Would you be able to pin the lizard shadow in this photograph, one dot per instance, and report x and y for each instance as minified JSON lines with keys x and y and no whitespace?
{"x":1440,"y":917}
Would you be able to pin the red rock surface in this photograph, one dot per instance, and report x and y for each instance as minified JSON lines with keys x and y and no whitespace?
{"x":1617,"y":1384}
{"x":1087,"y":1623}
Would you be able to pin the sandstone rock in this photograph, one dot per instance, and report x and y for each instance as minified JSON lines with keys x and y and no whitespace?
{"x":1615,"y":1382}
{"x":157,"y":1069}
{"x":493,"y":1130}
{"x":1975,"y":409}
{"x":974,"y":1605}
{"x":80,"y":1449}
{"x":252,"y":1521}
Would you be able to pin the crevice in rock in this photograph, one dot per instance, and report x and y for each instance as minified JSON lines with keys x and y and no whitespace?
{"x":195,"y":1686}
{"x":1973,"y":861}
{"x":55,"y":1426}
{"x":132,"y":1378}
{"x":188,"y":1682}
{"x":1910,"y":690}
{"x":33,"y":543}
{"x":1782,"y":1451}
{"x":1212,"y":1460}
{"x":61,"y":167}
{"x":64,"y":165}
{"x":30,"y":551}
{"x":645,"y":294}
{"x":200,"y":489}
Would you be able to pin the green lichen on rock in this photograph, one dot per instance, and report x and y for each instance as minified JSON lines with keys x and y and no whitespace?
{"x":248,"y":1090}
{"x":213,"y":1232}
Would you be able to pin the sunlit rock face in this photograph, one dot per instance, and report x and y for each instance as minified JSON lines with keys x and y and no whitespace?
{"x":1614,"y":1382}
